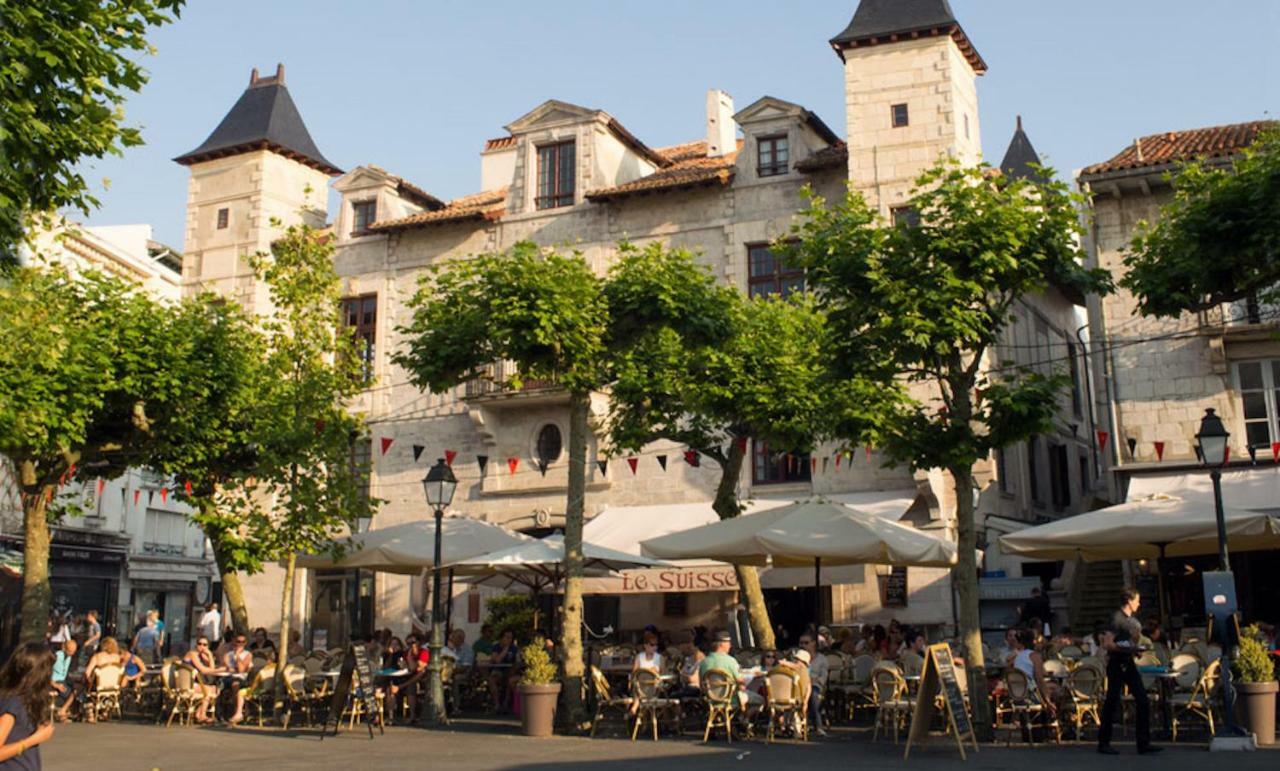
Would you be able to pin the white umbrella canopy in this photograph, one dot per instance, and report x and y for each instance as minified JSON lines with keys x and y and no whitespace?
{"x":410,"y":547}
{"x":1159,"y":526}
{"x":804,"y":533}
{"x":540,"y":563}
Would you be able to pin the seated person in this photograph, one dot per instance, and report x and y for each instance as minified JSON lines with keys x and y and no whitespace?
{"x":1030,"y":663}
{"x":648,"y":657}
{"x":689,"y":685}
{"x":392,"y":654}
{"x":483,"y":646}
{"x":64,"y":692}
{"x":200,"y":659}
{"x":768,"y":661}
{"x":414,"y":661}
{"x":238,"y":661}
{"x":295,"y":644}
{"x":503,"y":662}
{"x":720,"y":659}
{"x":134,"y":668}
{"x":262,"y":644}
{"x":458,"y":650}
{"x":108,"y":655}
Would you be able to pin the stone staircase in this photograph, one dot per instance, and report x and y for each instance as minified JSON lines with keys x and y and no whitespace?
{"x":1095,"y":595}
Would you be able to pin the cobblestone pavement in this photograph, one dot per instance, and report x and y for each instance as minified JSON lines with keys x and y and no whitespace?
{"x":132,"y":746}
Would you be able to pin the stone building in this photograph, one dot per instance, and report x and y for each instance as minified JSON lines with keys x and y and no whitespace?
{"x":1158,"y":376}
{"x":567,"y":174}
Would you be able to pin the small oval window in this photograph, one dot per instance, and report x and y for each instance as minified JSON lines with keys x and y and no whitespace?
{"x":549,"y":445}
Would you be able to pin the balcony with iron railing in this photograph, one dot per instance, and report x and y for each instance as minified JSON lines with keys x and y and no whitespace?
{"x":502,"y":379}
{"x":1248,"y":314}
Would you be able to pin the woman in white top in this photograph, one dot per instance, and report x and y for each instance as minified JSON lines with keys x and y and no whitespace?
{"x":1027,"y":661}
{"x":648,"y":657}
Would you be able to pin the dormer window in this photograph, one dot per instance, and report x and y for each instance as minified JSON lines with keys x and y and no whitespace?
{"x":555,"y":175}
{"x":364,"y":214}
{"x":772,"y":155}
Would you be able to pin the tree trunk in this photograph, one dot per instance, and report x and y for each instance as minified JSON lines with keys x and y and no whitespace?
{"x":965,"y":578}
{"x":232,"y":592}
{"x":282,"y":650}
{"x":35,"y":561}
{"x":726,"y":507}
{"x":571,"y":632}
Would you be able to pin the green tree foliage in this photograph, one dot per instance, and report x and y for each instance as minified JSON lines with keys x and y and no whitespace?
{"x":86,"y":365}
{"x":1217,"y":241}
{"x":927,"y":307}
{"x":545,"y":312}
{"x":209,"y":440}
{"x":698,"y":364}
{"x":67,"y":67}
{"x":303,"y":429}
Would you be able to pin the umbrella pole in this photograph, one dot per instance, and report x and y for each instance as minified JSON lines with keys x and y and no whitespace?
{"x":1161,"y":595}
{"x":817,"y":596}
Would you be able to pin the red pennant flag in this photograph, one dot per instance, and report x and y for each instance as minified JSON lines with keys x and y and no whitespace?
{"x":1159,"y":450}
{"x":449,"y":455}
{"x":633,"y":462}
{"x":691,"y":457}
{"x":1226,"y":458}
{"x":1102,"y":439}
{"x":320,"y":426}
{"x":741,"y":442}
{"x":186,"y":487}
{"x":813,"y":465}
{"x":102,"y":483}
{"x":868,"y":452}
{"x":49,"y":496}
{"x":386,"y":444}
{"x":1275,"y":452}
{"x":513,"y":464}
{"x":838,"y":459}
{"x":789,"y":460}
{"x":164,"y":494}
{"x":136,"y":495}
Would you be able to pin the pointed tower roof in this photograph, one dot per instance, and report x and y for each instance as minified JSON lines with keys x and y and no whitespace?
{"x":1020,"y":155}
{"x":888,"y":21}
{"x":263,"y":118}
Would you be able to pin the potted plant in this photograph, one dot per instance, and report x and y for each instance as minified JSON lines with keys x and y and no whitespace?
{"x":1255,"y":683}
{"x":539,"y":690}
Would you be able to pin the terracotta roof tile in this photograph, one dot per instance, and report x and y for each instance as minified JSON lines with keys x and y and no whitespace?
{"x":489,"y":205}
{"x":689,"y":167}
{"x":826,"y":158}
{"x":500,"y":143}
{"x":1177,"y":146}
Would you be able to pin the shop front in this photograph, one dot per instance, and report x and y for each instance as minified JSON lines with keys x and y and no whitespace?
{"x":85,"y":570}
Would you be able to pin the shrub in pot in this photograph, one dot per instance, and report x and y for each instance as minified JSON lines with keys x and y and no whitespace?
{"x":539,"y":690}
{"x":1255,"y":682}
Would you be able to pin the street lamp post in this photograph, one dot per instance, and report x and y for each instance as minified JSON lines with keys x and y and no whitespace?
{"x":439,"y":485}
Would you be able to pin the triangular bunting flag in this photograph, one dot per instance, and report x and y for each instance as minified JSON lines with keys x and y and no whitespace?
{"x":1275,"y":452}
{"x":136,"y":494}
{"x":151,"y":497}
{"x":1253,"y":454}
{"x":186,"y":487}
{"x":1102,"y":439}
{"x":1226,"y":457}
{"x":662,"y":461}
{"x":101,"y":484}
{"x":1199,"y":453}
{"x":542,"y":467}
{"x":513,"y":464}
{"x":603,"y":463}
{"x":164,"y":494}
{"x":449,"y":455}
{"x":49,"y":496}
{"x":1159,"y":450}
{"x":633,"y":462}
{"x":386,"y":444}
{"x":741,"y":442}
{"x":691,"y":457}
{"x":417,"y":452}
{"x":825,"y":461}
{"x":868,"y":452}
{"x":319,"y":426}
{"x":813,"y":465}
{"x":482,"y":461}
{"x":1075,"y":429}
{"x":788,"y":459}
{"x":1133,"y":445}
{"x":838,"y":460}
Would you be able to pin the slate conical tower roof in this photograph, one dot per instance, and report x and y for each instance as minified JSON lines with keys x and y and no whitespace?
{"x":1020,"y":155}
{"x":263,"y":118}
{"x":886,"y":21}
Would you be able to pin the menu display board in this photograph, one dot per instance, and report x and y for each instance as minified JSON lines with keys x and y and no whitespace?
{"x":355,"y":671}
{"x":940,"y":676}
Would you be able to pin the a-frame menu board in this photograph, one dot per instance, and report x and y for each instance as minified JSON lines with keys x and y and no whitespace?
{"x":939,"y":676}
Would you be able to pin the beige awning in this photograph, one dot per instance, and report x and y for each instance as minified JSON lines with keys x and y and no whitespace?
{"x":1152,"y":527}
{"x":540,"y":564}
{"x":410,"y":547}
{"x":802,"y":533}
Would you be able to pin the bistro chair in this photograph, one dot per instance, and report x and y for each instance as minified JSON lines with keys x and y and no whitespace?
{"x":1186,"y":669}
{"x":1071,"y":653}
{"x":720,"y":691}
{"x":295,"y":683}
{"x":186,"y":692}
{"x":605,"y":700}
{"x":892,"y":705}
{"x":859,"y":692}
{"x":1197,"y":702}
{"x":1025,"y":705}
{"x":260,"y":693}
{"x":1083,"y":695}
{"x":784,"y":701}
{"x":646,"y":690}
{"x":104,"y":699}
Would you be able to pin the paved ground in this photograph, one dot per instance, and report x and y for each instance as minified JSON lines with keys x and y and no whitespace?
{"x":141,"y":747}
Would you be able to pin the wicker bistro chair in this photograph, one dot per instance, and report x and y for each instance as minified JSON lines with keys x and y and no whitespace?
{"x":104,"y":699}
{"x":260,"y":693}
{"x":784,"y":701}
{"x":295,"y":683}
{"x":1198,"y":702}
{"x":1071,"y":653}
{"x":1025,"y":705}
{"x":605,"y":700}
{"x":186,"y":692}
{"x":893,"y":706}
{"x":859,"y":691}
{"x":1083,"y":697}
{"x":720,"y":691}
{"x":646,"y":692}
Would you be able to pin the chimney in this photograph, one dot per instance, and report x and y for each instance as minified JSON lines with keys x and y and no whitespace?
{"x":253,"y":77}
{"x":722,"y":132}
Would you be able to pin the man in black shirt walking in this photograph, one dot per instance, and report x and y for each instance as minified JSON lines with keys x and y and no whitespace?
{"x":1121,"y":644}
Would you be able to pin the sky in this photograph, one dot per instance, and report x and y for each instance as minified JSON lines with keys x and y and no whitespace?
{"x":416,"y":87}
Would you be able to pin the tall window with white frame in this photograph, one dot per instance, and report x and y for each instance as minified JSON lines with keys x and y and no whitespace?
{"x":773,"y":155}
{"x":555,"y":175}
{"x":1259,"y":385}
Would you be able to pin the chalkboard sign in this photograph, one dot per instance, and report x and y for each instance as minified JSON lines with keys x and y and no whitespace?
{"x":355,"y":671}
{"x":940,"y":676}
{"x":895,"y":588}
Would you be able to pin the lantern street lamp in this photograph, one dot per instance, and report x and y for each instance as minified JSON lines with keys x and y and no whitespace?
{"x":439,"y":486}
{"x":1212,"y":441}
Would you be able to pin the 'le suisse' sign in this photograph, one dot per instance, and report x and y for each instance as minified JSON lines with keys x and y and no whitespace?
{"x":706,"y":579}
